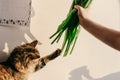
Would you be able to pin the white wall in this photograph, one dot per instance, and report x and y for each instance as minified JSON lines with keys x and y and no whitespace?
{"x":91,"y":59}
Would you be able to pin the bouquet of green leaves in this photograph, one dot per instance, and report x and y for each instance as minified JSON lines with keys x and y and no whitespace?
{"x":71,"y":27}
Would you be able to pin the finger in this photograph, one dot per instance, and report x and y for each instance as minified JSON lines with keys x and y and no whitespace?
{"x":77,"y":7}
{"x":80,"y":9}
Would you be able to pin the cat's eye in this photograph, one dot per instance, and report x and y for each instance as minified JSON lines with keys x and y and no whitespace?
{"x":29,"y":50}
{"x":34,"y":56}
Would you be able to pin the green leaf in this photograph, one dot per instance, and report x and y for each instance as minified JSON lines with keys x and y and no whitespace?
{"x":71,"y":28}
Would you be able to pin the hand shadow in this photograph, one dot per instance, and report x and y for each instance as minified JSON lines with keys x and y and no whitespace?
{"x":81,"y":72}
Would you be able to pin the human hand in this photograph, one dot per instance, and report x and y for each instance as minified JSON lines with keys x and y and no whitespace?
{"x":82,"y":13}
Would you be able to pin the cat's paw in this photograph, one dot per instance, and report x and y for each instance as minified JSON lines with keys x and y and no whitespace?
{"x":58,"y":52}
{"x":55,"y":54}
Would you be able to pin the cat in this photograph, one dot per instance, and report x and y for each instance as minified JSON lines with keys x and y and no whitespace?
{"x":23,"y":60}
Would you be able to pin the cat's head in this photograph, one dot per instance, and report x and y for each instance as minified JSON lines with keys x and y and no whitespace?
{"x":24,"y":57}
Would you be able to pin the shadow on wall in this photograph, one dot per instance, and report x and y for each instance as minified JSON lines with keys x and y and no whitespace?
{"x":11,"y":36}
{"x":83,"y":72}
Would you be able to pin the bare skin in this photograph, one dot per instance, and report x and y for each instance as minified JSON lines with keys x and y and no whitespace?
{"x":108,"y":36}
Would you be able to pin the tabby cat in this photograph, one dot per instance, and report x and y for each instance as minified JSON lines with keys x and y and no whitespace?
{"x":24,"y":60}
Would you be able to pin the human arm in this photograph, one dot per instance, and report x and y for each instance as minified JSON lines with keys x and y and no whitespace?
{"x":109,"y":36}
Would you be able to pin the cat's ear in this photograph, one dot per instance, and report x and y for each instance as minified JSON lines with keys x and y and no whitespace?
{"x":34,"y":43}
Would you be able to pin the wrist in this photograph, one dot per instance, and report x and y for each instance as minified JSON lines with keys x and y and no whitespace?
{"x":85,"y":22}
{"x":82,"y":21}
